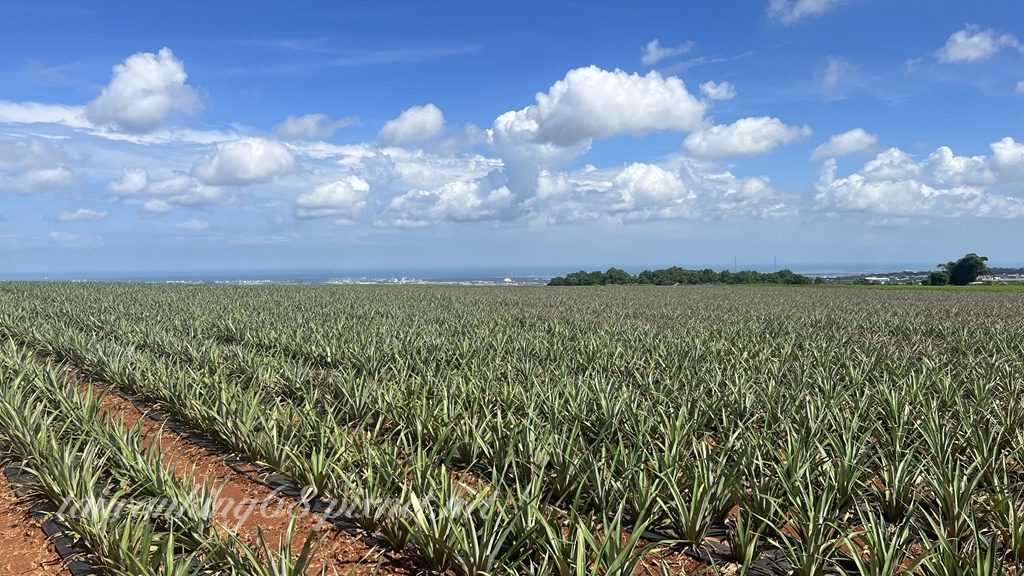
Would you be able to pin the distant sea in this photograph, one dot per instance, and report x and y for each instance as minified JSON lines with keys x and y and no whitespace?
{"x":483,"y":276}
{"x":466,"y":275}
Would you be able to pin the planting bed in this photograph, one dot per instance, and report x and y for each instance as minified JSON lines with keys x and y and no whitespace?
{"x":24,"y":548}
{"x":628,"y":430}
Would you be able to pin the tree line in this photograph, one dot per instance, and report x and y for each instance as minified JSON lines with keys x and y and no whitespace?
{"x":959,"y":273}
{"x":676,"y":275}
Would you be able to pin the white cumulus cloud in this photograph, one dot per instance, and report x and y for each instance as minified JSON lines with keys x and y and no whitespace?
{"x":589,"y":103}
{"x":156,"y":207}
{"x":200,"y":195}
{"x":941,"y":185}
{"x":718,"y":91}
{"x":177,"y":184}
{"x":417,"y":124}
{"x":552,"y":185}
{"x":38,"y":180}
{"x":344,"y":198}
{"x":1008,"y":159}
{"x":145,"y":90}
{"x":1008,"y":152}
{"x":459,"y":201}
{"x":36,"y":113}
{"x":944,"y":169}
{"x":653,"y":52}
{"x":975,"y":43}
{"x":650,"y":187}
{"x":745,"y":137}
{"x":131,"y":182}
{"x":178,"y":189}
{"x":26,"y":155}
{"x":594,"y":103}
{"x":245,"y":161}
{"x":312,"y":126}
{"x":81,"y":215}
{"x":683,"y":189}
{"x":852,"y":142}
{"x":892,"y":165}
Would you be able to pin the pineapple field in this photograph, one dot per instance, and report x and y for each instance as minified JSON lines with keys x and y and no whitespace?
{"x":286,"y":430}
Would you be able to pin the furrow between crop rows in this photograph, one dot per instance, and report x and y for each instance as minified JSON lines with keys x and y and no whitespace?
{"x":25,"y":548}
{"x":245,"y":505}
{"x":828,"y":431}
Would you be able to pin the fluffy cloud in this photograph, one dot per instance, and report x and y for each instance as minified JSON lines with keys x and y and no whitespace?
{"x":654,"y":52}
{"x":403,"y":169}
{"x":81,"y":215}
{"x":716,"y":91}
{"x":312,"y":126}
{"x":38,"y":180}
{"x":131,"y":182}
{"x":341,"y":198}
{"x":792,"y":11}
{"x":1008,"y":159}
{"x":179,"y":183}
{"x":26,"y":155}
{"x":892,"y":165}
{"x":594,"y":103}
{"x":852,"y":142}
{"x":156,"y":207}
{"x":245,"y":161}
{"x":460,"y":201}
{"x":943,"y":185}
{"x":417,"y":124}
{"x":1020,"y":87}
{"x":552,"y":185}
{"x":36,"y":113}
{"x":200,"y":195}
{"x":514,"y":137}
{"x":179,"y":189}
{"x":974,"y":43}
{"x":145,"y":90}
{"x":39,"y":165}
{"x":650,"y":188}
{"x":588,"y":103}
{"x":745,"y":137}
{"x":945,"y":169}
{"x":1008,"y":152}
{"x":685,"y":189}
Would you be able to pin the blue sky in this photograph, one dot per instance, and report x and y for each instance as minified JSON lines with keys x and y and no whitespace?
{"x":233,"y":135}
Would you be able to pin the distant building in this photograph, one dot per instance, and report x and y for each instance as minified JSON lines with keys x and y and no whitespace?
{"x":1000,"y":279}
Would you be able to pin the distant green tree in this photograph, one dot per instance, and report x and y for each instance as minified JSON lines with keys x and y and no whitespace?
{"x":966,"y":270}
{"x":937,"y":278}
{"x":616,"y":276}
{"x":677,"y":275}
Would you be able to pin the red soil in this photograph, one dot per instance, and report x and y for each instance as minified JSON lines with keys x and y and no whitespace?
{"x":24,"y":549}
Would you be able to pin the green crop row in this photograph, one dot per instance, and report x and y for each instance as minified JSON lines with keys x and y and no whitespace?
{"x":821,"y":431}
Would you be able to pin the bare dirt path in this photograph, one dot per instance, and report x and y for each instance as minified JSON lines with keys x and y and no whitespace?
{"x":24,"y":549}
{"x":247,"y":506}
